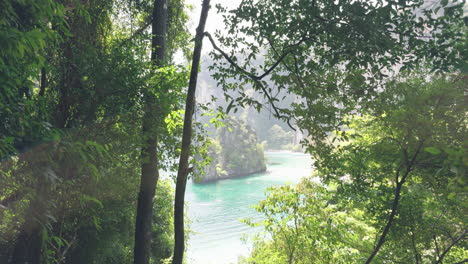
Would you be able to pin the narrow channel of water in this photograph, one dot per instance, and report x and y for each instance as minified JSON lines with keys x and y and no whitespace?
{"x":215,"y":209}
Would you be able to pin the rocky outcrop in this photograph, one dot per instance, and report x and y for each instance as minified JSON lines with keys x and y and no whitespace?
{"x":234,"y":153}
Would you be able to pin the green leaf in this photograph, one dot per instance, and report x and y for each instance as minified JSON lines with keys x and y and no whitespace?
{"x":87,"y":198}
{"x":229,"y":107}
{"x":432,"y":150}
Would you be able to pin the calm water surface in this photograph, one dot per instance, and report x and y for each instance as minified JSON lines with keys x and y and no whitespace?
{"x":215,"y":209}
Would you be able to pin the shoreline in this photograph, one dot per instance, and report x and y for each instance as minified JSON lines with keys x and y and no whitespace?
{"x":229,"y":177}
{"x":266,"y":152}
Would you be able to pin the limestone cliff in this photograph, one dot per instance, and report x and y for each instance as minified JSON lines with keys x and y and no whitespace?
{"x":235,"y":152}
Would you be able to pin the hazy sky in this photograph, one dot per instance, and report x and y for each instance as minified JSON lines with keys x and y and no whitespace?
{"x":214,"y":22}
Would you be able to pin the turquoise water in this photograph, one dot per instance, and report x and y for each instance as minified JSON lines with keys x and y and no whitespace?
{"x":215,"y":209}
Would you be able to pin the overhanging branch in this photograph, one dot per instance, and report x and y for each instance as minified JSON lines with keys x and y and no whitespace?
{"x":257,"y":79}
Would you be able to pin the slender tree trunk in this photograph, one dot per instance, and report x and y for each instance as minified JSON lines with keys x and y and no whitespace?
{"x":417,"y":256}
{"x":179,"y":235}
{"x":149,"y":165}
{"x":391,"y":217}
{"x":71,"y":81}
{"x":43,"y":81}
{"x":396,"y":201}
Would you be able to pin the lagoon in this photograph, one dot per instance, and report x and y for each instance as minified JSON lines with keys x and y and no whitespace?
{"x":215,"y":209}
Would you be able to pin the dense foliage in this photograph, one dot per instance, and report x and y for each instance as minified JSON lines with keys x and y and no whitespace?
{"x":379,"y":90}
{"x":404,"y":156}
{"x":71,"y":110}
{"x":235,"y":152}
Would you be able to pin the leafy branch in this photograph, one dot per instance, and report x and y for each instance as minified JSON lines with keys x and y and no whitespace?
{"x":396,"y":200}
{"x":462,"y":236}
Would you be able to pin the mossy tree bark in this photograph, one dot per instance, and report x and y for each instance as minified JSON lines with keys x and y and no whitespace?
{"x":149,"y":159}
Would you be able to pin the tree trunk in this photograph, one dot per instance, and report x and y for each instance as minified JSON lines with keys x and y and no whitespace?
{"x":43,"y":82}
{"x":29,"y":243}
{"x":149,"y":159}
{"x":71,"y":81}
{"x":179,"y":235}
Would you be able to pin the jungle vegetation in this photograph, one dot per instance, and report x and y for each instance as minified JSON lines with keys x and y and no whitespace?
{"x":94,"y":103}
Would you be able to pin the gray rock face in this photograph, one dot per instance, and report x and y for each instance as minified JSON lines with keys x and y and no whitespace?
{"x":235,"y":153}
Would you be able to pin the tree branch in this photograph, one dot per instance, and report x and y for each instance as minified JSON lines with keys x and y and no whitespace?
{"x":138,"y":32}
{"x":413,"y":244}
{"x":284,"y":54}
{"x":462,"y":236}
{"x":436,"y":245}
{"x":257,"y":78}
{"x":395,"y":203}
